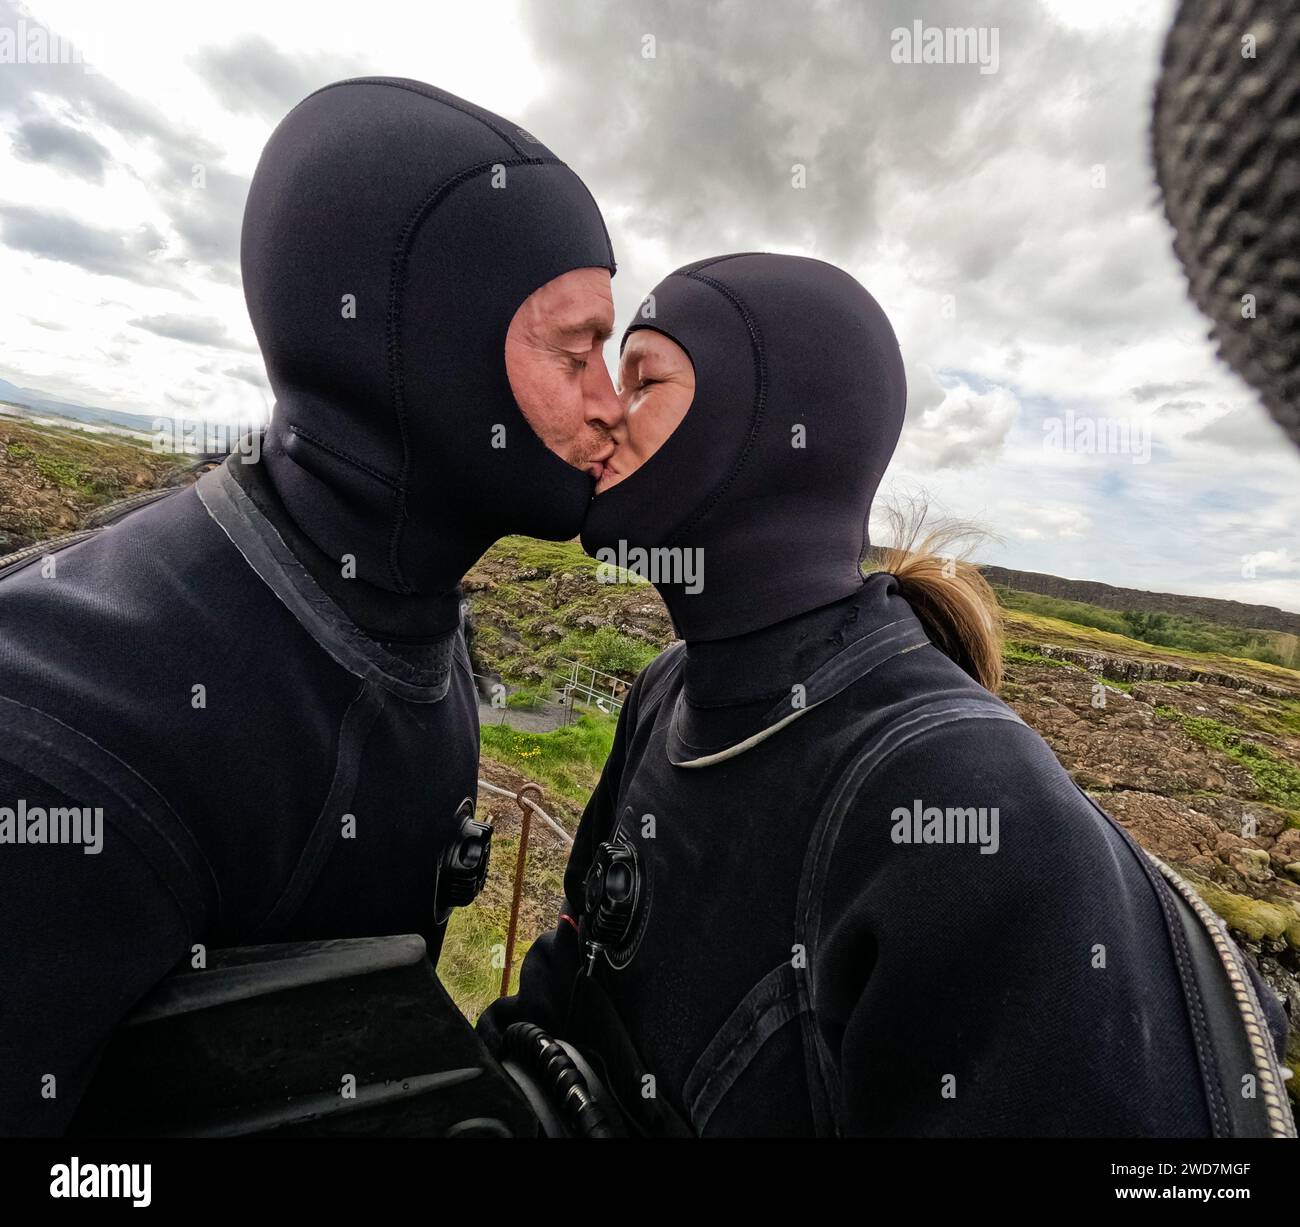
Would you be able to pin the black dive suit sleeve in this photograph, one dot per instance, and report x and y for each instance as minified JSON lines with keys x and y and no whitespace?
{"x":555,"y":958}
{"x":82,"y":937}
{"x":1026,"y":991}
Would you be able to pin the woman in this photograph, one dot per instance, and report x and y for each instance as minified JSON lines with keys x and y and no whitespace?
{"x":828,"y":883}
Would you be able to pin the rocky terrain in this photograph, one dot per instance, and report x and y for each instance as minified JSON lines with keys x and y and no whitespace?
{"x":52,"y":478}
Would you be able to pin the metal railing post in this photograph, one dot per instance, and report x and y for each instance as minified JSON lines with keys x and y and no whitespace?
{"x":526,"y":819}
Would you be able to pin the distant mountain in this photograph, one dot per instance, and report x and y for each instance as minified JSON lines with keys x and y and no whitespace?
{"x":39,"y":404}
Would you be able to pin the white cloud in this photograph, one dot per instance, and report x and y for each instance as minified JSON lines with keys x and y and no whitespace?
{"x":966,"y":428}
{"x":1047,"y":522}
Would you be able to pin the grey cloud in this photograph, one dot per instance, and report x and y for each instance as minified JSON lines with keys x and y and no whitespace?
{"x":248,"y":374}
{"x":208,"y":223}
{"x":1242,"y":430}
{"x":57,"y":236}
{"x":147,"y":240}
{"x":47,"y":141}
{"x":90,"y":96}
{"x":205,"y":204}
{"x":695,"y":146}
{"x":252,"y":76}
{"x":189,"y":328}
{"x":1145,"y":392}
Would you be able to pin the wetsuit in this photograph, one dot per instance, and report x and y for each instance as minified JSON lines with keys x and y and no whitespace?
{"x":260,"y":682}
{"x":868,"y":899}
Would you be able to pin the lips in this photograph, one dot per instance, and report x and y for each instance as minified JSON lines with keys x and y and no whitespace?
{"x":610,"y":477}
{"x":597,"y":465}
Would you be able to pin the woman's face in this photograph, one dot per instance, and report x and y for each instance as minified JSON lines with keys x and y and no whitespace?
{"x":656,"y":383}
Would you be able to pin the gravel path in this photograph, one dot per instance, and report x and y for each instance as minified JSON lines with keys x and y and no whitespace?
{"x":542,"y":720}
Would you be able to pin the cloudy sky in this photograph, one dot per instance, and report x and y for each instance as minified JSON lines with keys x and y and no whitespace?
{"x":1006,"y":220}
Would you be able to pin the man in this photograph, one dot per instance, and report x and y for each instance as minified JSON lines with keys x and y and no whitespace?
{"x":245,"y":713}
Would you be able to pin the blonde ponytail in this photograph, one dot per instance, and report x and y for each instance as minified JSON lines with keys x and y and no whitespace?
{"x":952,"y":599}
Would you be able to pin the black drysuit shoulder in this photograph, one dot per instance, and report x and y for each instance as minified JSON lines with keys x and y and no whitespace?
{"x":149,"y":672}
{"x":989,"y":953}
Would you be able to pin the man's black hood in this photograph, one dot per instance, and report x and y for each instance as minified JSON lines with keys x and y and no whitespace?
{"x":391,"y":232}
{"x":768,"y":481}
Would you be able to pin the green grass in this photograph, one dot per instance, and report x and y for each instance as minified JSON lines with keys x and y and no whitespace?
{"x":545,"y":556}
{"x":1160,"y":629}
{"x":528,"y":697}
{"x":1256,"y":918}
{"x":1277,"y":780}
{"x":607,"y":650}
{"x":64,"y":470}
{"x":1011,"y":650}
{"x":567,"y":761}
{"x":1042,"y":627}
{"x":1283,"y":723}
{"x":1066,"y":611}
{"x":472,"y":952}
{"x":73,"y":477}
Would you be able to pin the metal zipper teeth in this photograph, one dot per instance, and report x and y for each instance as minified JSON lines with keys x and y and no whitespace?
{"x":1267,"y":1068}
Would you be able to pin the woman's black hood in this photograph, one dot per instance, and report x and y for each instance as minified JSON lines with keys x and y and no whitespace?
{"x":769,"y":479}
{"x":391,"y":232}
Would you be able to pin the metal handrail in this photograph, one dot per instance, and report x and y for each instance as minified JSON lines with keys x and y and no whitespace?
{"x":595,"y":673}
{"x":577,"y":684}
{"x":532,"y":806}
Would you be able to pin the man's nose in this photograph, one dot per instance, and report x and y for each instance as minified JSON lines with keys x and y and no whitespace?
{"x":602,"y":405}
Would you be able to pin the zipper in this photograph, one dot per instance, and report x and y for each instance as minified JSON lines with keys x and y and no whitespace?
{"x":1267,"y":1067}
{"x":27,"y":552}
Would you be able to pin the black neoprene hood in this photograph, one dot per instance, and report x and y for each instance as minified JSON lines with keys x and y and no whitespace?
{"x":391,"y":232}
{"x":799,"y":400}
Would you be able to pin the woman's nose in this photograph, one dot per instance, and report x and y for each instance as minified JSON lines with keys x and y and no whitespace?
{"x":603,"y":407}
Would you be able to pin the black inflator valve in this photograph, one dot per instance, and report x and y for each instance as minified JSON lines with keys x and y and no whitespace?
{"x":464,"y":866}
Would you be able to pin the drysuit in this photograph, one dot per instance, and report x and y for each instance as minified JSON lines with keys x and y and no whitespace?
{"x":858,"y":894}
{"x":261,"y":682}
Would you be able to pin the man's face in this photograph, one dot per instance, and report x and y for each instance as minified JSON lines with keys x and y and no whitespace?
{"x":555,"y":361}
